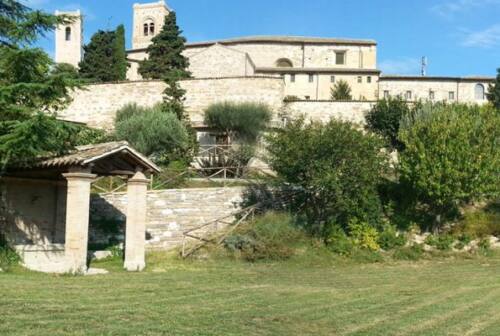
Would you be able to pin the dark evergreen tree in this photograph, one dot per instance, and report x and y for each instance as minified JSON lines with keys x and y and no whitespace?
{"x":105,"y":58}
{"x":494,"y":91}
{"x":120,"y":64}
{"x":30,"y":94}
{"x":341,"y":91}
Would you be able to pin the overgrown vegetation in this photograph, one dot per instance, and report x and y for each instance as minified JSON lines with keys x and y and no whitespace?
{"x":341,"y":91}
{"x":384,"y":119}
{"x":335,"y":170}
{"x":494,"y":92}
{"x":8,"y":256}
{"x":451,"y":157}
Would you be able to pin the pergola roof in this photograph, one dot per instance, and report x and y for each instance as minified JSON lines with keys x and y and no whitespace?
{"x":111,"y":158}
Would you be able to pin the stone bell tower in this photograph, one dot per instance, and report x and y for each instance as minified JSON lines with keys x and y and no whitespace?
{"x":148,"y":21}
{"x":69,"y":39}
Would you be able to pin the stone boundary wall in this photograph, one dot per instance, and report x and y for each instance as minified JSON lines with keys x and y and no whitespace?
{"x":96,"y":104}
{"x":169,"y":212}
{"x":324,"y":110}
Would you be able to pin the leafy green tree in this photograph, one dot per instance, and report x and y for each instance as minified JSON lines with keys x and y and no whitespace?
{"x":384,"y":119}
{"x":451,"y":156}
{"x":335,"y":170}
{"x":30,"y":94}
{"x":66,"y":70}
{"x":165,"y":61}
{"x":238,"y":121}
{"x":104,"y":57}
{"x":341,"y":91}
{"x":494,"y":92}
{"x":154,"y":132}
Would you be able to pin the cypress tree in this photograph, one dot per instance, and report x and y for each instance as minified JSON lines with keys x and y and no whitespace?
{"x":120,"y":54}
{"x":494,"y":91}
{"x":105,"y":58}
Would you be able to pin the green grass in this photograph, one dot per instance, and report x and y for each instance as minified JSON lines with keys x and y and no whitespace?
{"x":443,"y":296}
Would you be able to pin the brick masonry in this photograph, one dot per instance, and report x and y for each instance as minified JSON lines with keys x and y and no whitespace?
{"x":169,"y":212}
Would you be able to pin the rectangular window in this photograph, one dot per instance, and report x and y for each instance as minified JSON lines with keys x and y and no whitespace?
{"x":311,"y":78}
{"x":292,"y":78}
{"x":432,"y":95}
{"x":386,"y":94}
{"x":308,"y":97}
{"x":369,"y":79}
{"x":332,"y":79}
{"x":360,"y":79}
{"x":451,"y":95}
{"x":340,"y":57}
{"x":408,"y":95}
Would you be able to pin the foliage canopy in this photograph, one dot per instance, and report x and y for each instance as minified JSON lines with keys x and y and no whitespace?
{"x":341,"y":91}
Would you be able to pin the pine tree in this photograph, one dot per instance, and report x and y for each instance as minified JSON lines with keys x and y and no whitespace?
{"x":29,"y":91}
{"x":341,"y":91}
{"x":105,"y":58}
{"x":494,"y":91}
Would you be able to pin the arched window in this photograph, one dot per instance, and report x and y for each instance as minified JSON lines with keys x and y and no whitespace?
{"x":479,"y":92}
{"x":146,"y":29}
{"x":152,"y":28}
{"x":149,"y":27}
{"x":68,"y":33}
{"x":284,"y":63}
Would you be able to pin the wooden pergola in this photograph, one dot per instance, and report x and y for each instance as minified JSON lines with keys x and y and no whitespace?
{"x":48,"y":205}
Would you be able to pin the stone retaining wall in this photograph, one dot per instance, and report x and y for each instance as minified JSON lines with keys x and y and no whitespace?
{"x":324,"y":110}
{"x":170,"y":212}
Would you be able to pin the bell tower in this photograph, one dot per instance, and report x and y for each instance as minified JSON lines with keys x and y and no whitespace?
{"x":148,"y":21}
{"x":69,"y":39}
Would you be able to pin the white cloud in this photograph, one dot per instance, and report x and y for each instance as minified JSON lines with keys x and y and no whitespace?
{"x":449,"y":9}
{"x":401,"y":66}
{"x":487,"y":38}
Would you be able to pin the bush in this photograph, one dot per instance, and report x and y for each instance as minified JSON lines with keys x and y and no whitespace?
{"x":272,"y":236}
{"x":338,"y":242}
{"x":154,"y":132}
{"x":411,"y":253}
{"x":8,"y":256}
{"x":333,"y":168}
{"x":364,"y":235}
{"x":389,"y":238}
{"x":238,"y":121}
{"x":384,"y":119}
{"x":480,"y":223}
{"x":451,"y":157}
{"x":442,"y":242}
{"x":341,"y":91}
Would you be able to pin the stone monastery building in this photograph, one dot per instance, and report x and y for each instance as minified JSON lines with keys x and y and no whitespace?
{"x":263,"y":68}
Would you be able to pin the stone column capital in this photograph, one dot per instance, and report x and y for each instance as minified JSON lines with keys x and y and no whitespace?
{"x":138,"y":179}
{"x":79,"y":176}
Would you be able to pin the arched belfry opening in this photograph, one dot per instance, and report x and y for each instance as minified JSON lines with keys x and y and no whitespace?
{"x":68,"y":34}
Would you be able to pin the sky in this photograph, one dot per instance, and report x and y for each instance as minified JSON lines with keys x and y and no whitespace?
{"x":458,"y":37}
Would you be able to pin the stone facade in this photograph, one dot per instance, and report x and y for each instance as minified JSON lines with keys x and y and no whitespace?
{"x":323,"y":111}
{"x":96,"y":105}
{"x":148,"y":21}
{"x":171,"y":212}
{"x":452,"y":89}
{"x":69,"y":40}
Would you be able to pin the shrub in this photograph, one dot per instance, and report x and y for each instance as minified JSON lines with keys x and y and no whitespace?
{"x":412,"y":253}
{"x":451,"y":156}
{"x":384,"y":119}
{"x":8,"y":256}
{"x":480,"y":223}
{"x":238,"y":121}
{"x":341,"y":91}
{"x":389,"y":238}
{"x":334,"y":170}
{"x":364,"y":235}
{"x":338,"y":242}
{"x":442,"y":242}
{"x":154,"y":132}
{"x":272,"y":236}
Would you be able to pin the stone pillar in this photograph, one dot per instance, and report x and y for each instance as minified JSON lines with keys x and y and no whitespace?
{"x":77,"y":220}
{"x":135,"y":231}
